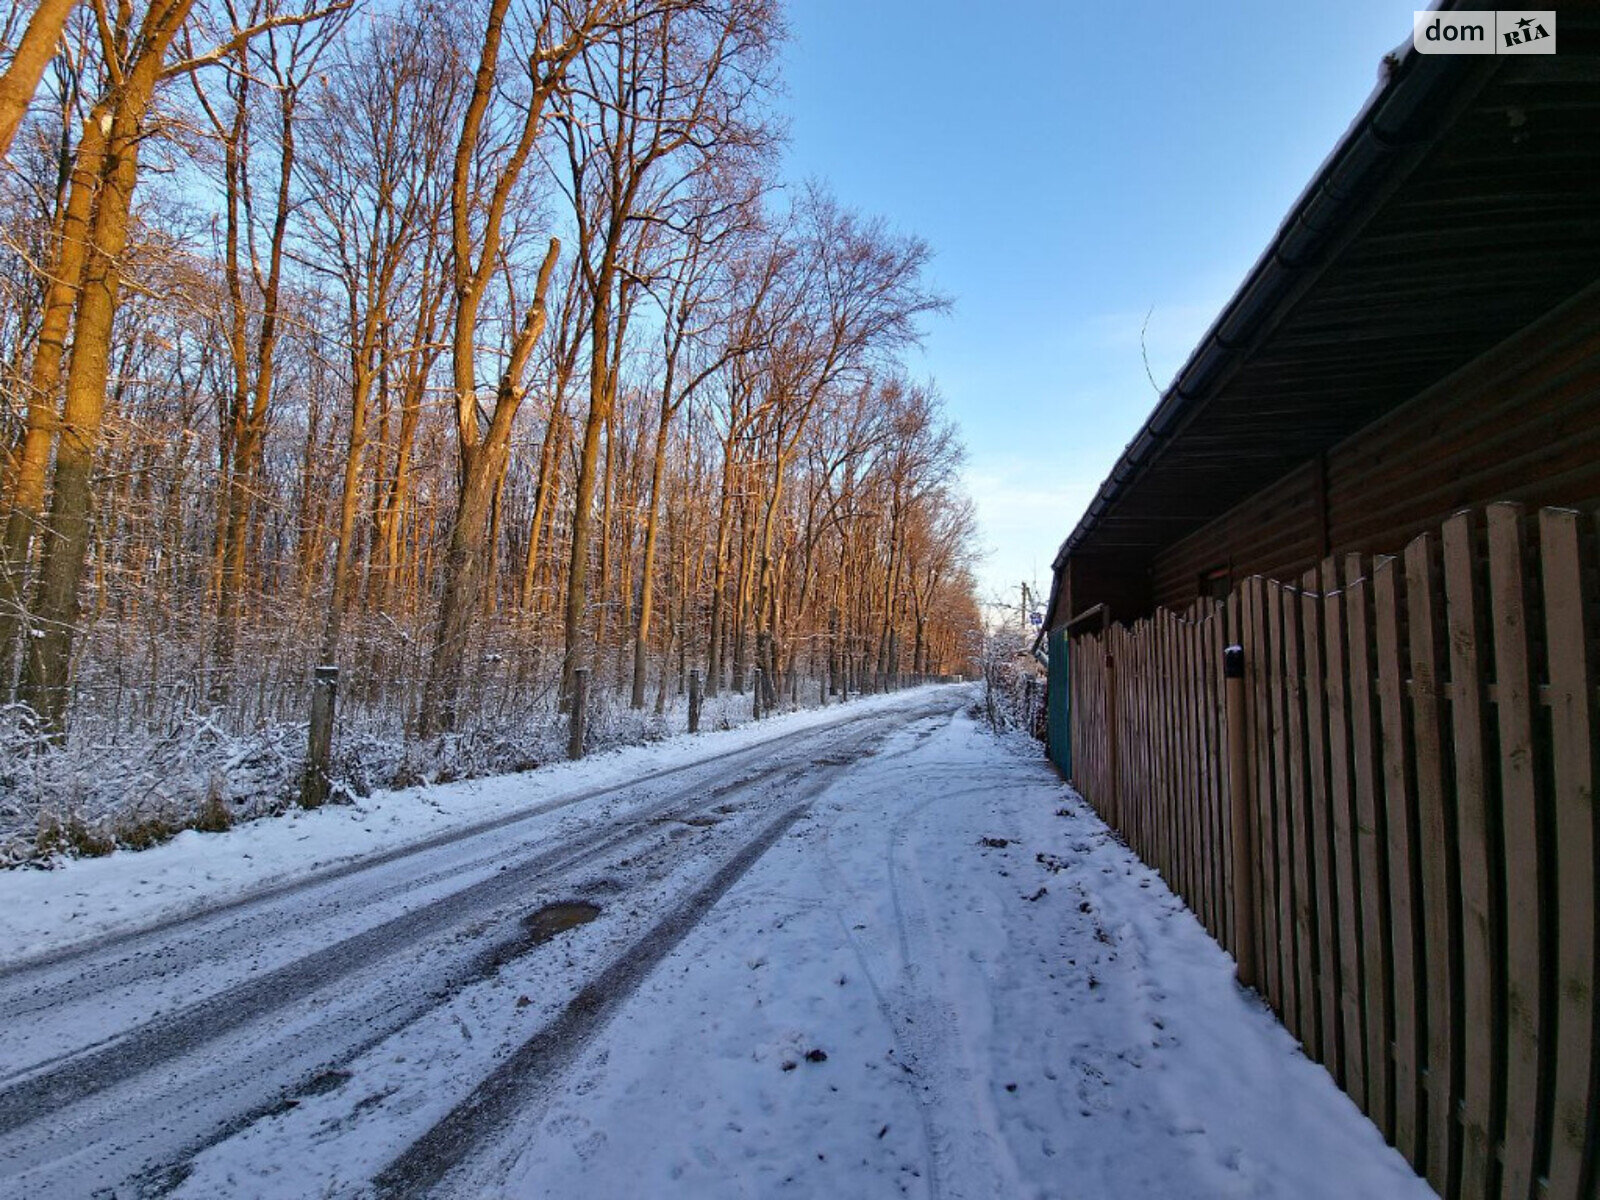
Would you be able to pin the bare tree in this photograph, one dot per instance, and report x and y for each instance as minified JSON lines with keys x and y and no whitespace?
{"x":255,"y":289}
{"x":34,"y":51}
{"x":560,"y":34}
{"x":375,"y":183}
{"x":664,"y":91}
{"x":106,"y":171}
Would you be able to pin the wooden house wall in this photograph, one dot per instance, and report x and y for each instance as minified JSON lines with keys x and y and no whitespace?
{"x":1521,"y":422}
{"x":1110,"y":579}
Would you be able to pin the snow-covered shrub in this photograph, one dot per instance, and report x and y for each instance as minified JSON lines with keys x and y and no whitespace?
{"x":1014,"y":687}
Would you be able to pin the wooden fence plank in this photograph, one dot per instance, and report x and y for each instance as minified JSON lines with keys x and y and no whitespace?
{"x":1481,"y":964}
{"x":1080,"y":716}
{"x":1349,"y":918}
{"x":1258,"y":663}
{"x":1200,"y":856}
{"x":1436,"y":853}
{"x":1138,"y":785}
{"x":1278,"y":697}
{"x":1102,"y":681}
{"x":1520,"y":826}
{"x":1423,"y":749}
{"x":1400,"y":829}
{"x":1156,"y":730}
{"x":1305,"y":896}
{"x":1206,"y":711}
{"x":1166,"y":715}
{"x":1136,"y":746}
{"x":1103,"y":734}
{"x":1321,"y":827}
{"x":1228,"y":632}
{"x":1113,"y":733}
{"x":1377,"y":964}
{"x":1139,"y":654}
{"x":1174,"y":764}
{"x":1570,"y":651}
{"x":1193,"y":773}
{"x":1258,"y":677}
{"x":1118,"y":714}
{"x":1221,"y":802}
{"x":1182,"y":768}
{"x":1147,"y":656}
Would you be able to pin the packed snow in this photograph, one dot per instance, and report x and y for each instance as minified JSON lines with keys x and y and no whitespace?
{"x":944,"y":978}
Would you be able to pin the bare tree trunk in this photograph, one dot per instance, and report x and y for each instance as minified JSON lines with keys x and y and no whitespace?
{"x":252,"y":398}
{"x":475,"y":256}
{"x":588,"y":463}
{"x":719,"y":585}
{"x":349,"y":503}
{"x":33,"y":462}
{"x":544,"y":489}
{"x":49,"y":658}
{"x":34,"y":51}
{"x":641,"y":640}
{"x":482,"y":464}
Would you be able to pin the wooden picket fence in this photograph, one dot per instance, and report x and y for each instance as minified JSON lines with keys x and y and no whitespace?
{"x":1421,"y":743}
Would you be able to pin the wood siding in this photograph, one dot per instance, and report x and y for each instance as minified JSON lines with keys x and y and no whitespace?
{"x":1522,"y":422}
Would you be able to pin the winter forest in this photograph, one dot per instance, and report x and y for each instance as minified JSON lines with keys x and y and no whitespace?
{"x":461,"y":345}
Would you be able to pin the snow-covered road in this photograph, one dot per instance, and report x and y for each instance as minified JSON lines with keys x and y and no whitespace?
{"x":874,"y":952}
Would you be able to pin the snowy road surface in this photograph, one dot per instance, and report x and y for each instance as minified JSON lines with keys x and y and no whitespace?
{"x":876,"y":952}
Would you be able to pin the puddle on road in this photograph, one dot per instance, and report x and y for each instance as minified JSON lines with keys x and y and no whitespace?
{"x":558,"y":918}
{"x":534,"y":929}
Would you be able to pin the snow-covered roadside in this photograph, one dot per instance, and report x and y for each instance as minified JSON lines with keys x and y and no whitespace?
{"x":889,"y":1004}
{"x":41,"y":911}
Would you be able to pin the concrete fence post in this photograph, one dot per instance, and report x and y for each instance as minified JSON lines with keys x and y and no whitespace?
{"x":1240,"y":808}
{"x":694,"y":701}
{"x":580,"y":708}
{"x":324,"y":693}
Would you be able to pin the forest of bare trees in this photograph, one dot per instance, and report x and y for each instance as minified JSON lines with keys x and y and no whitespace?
{"x":461,"y":344}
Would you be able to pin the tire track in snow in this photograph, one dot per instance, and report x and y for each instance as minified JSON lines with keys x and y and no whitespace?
{"x":148,"y":1116}
{"x":540,"y":1059}
{"x":194,"y":1122}
{"x":84,"y":1073}
{"x":934,"y":1031}
{"x":85,"y":1069}
{"x":448,"y":1150}
{"x":275,"y":891}
{"x":906,"y":1056}
{"x":915,"y":1047}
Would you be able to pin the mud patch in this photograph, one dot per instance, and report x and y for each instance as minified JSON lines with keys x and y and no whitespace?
{"x":558,"y":918}
{"x":537,"y":928}
{"x":323,"y":1083}
{"x":700,"y":822}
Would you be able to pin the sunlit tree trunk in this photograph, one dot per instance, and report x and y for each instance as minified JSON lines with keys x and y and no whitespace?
{"x":49,"y":658}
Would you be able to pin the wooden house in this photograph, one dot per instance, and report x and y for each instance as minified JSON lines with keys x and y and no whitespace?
{"x":1422,"y":334}
{"x":1378,"y":475}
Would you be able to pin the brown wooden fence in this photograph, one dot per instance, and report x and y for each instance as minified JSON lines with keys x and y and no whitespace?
{"x":1421,"y":747}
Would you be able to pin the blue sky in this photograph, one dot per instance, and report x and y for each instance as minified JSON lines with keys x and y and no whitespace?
{"x":1072,"y":167}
